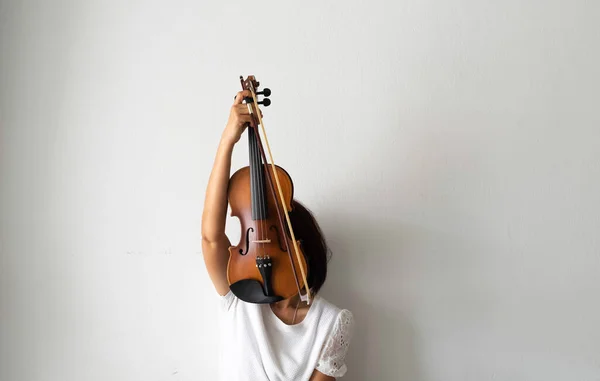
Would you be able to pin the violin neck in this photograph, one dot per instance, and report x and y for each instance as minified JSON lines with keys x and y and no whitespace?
{"x":257,"y":178}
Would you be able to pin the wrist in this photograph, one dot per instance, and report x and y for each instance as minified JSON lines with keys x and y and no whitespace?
{"x":227,"y":141}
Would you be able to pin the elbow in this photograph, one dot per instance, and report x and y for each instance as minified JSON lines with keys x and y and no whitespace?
{"x":212,"y":239}
{"x":213,"y":236}
{"x":208,"y":239}
{"x":209,"y":234}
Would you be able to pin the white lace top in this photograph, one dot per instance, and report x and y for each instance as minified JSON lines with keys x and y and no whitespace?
{"x":258,"y":346}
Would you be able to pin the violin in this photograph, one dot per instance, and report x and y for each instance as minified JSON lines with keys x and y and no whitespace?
{"x":268,"y":264}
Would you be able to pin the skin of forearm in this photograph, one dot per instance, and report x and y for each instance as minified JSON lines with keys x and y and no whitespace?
{"x":215,"y":203}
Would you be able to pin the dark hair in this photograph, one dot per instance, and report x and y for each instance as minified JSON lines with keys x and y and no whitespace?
{"x":313,"y":244}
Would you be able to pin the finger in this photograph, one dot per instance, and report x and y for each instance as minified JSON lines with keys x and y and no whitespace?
{"x":240,"y":96}
{"x":242,"y":109}
{"x":245,"y":119}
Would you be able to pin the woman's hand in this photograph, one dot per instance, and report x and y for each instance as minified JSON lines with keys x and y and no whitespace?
{"x":238,"y":117}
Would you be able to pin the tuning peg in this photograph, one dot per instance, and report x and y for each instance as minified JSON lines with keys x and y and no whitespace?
{"x":266,"y":92}
{"x":265,"y":102}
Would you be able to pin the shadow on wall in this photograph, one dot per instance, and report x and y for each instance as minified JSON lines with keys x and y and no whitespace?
{"x":383,"y":346}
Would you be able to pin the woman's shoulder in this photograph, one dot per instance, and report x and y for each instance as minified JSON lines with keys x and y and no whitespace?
{"x":334,"y":312}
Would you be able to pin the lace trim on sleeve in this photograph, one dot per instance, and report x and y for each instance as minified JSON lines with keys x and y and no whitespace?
{"x":333,"y":355}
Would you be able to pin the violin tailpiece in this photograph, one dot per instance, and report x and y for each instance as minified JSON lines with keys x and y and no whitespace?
{"x":252,"y":291}
{"x":265,"y":267}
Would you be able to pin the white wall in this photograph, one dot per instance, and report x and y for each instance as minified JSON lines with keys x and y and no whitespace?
{"x":449,"y":149}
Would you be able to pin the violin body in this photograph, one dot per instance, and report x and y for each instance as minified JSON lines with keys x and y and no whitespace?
{"x":268,"y":264}
{"x":243,"y":257}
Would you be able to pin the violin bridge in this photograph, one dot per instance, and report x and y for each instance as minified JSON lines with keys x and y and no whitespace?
{"x":262,"y":241}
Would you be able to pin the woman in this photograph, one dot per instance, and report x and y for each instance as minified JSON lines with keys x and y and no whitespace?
{"x":287,"y":340}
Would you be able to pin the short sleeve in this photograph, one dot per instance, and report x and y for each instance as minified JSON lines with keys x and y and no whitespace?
{"x":227,"y":300}
{"x":332,"y":361}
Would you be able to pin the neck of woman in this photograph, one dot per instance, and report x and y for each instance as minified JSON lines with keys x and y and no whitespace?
{"x":289,"y":303}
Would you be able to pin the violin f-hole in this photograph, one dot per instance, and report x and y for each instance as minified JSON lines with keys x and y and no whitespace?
{"x":273,"y":227}
{"x":242,"y":252}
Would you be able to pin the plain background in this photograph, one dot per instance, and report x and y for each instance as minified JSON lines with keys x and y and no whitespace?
{"x":449,"y":149}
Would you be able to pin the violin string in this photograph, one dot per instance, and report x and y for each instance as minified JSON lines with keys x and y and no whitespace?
{"x":260,"y":170}
{"x":253,"y":175}
{"x":261,"y":200}
{"x":259,"y":176}
{"x":261,"y":196}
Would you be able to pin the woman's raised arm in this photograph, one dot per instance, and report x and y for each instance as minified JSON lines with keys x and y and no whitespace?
{"x":215,"y":244}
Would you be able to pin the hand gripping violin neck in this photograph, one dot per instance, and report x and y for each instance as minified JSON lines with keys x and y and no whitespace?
{"x":268,"y":264}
